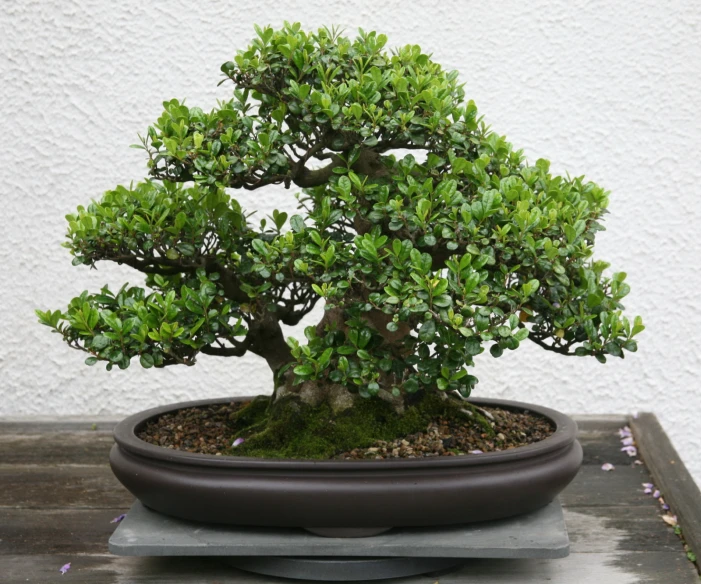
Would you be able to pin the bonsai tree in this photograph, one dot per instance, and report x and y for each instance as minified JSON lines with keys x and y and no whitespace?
{"x":423,"y":261}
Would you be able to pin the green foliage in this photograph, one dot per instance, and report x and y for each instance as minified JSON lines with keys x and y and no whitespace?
{"x":160,"y":329}
{"x":429,"y":262}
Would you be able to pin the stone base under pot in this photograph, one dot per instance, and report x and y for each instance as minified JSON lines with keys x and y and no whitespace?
{"x":294,"y":553}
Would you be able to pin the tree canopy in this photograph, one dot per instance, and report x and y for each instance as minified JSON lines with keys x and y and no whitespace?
{"x":423,"y":262}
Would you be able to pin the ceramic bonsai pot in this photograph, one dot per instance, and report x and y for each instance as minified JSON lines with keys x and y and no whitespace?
{"x":351,"y":498}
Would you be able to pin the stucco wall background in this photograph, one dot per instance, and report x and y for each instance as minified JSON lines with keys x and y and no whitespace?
{"x":610,"y":90}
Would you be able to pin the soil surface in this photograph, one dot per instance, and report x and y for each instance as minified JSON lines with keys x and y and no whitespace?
{"x":208,"y":430}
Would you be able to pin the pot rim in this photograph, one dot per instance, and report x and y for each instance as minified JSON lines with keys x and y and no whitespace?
{"x":126,"y":438}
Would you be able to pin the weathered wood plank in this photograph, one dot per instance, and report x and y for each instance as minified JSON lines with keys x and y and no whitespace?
{"x":599,"y":438}
{"x":49,"y":424}
{"x":56,"y":448}
{"x":61,"y":487}
{"x":593,"y":487}
{"x":601,"y":449}
{"x":56,"y":531}
{"x":631,"y":528}
{"x":599,"y":423}
{"x":670,"y":475}
{"x":591,"y":568}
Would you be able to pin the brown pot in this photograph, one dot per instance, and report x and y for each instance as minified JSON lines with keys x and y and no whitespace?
{"x":339,"y":497}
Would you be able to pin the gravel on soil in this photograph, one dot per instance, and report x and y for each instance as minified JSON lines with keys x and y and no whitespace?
{"x":458,"y":437}
{"x":203,"y":430}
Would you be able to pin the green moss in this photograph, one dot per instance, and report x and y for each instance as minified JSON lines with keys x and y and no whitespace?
{"x":253,"y":414}
{"x":291,"y":429}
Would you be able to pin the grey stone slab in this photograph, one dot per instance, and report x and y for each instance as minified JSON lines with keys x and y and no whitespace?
{"x":541,"y":534}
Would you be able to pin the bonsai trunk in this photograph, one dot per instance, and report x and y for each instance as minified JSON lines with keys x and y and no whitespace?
{"x":338,"y":397}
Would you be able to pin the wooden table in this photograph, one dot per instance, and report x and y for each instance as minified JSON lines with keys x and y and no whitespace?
{"x":58,"y":496}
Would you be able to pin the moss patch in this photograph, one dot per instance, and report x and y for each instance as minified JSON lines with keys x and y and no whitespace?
{"x":291,"y":429}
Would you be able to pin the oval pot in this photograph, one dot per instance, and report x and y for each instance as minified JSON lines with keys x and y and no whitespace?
{"x":359,"y":496}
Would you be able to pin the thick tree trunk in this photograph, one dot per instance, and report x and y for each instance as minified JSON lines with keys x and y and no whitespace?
{"x":268,"y":341}
{"x":339,"y":398}
{"x":315,"y":393}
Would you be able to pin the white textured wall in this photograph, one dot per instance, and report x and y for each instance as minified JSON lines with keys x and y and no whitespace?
{"x":610,"y":90}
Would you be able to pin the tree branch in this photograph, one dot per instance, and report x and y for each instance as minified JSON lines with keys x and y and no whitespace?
{"x":151,"y":267}
{"x":554,"y":348}
{"x":307,"y":179}
{"x":392,"y":144}
{"x":223,"y":351}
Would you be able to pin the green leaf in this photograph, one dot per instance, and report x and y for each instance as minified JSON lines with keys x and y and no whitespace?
{"x":260,"y":247}
{"x":297,"y":223}
{"x":427,"y":331}
{"x":279,"y":218}
{"x":91,"y":361}
{"x":631,"y":346}
{"x":482,"y":322}
{"x":530,"y":287}
{"x":443,"y":301}
{"x":344,"y":185}
{"x":504,"y":331}
{"x":325,"y":357}
{"x":638,"y":326}
{"x":187,"y":249}
{"x":385,"y":365}
{"x":146,"y":360}
{"x":473,"y":346}
{"x":521,"y":334}
{"x":364,"y":337}
{"x":99,"y":342}
{"x":423,"y":208}
{"x":612,"y":348}
{"x":93,"y":316}
{"x":180,"y":220}
{"x":304,"y":370}
{"x":356,"y":110}
{"x":411,"y":385}
{"x":472,"y":280}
